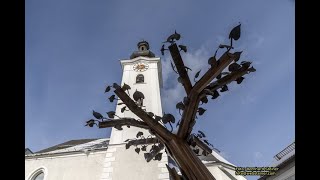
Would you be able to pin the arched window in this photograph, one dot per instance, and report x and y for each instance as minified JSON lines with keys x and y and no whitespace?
{"x":39,"y":176}
{"x":139,"y":78}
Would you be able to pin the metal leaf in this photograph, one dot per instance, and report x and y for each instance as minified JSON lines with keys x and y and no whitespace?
{"x":234,"y":67}
{"x":126,"y":87}
{"x":204,"y":99}
{"x":118,"y":126}
{"x":212,"y":60}
{"x":168,"y":118}
{"x":112,"y":97}
{"x":204,"y":153}
{"x":196,"y":151}
{"x":116,"y":86}
{"x":157,"y":118}
{"x":143,"y":148}
{"x":208,"y":92}
{"x":107,"y":89}
{"x":180,"y":105}
{"x":172,"y":66}
{"x":219,"y":76}
{"x":215,"y":94}
{"x":239,"y":80}
{"x":180,"y":80}
{"x":128,"y":146}
{"x":252,"y":69}
{"x":237,"y":56}
{"x":137,"y":150}
{"x":147,"y":156}
{"x":187,"y":68}
{"x":235,"y":33}
{"x":97,"y":115}
{"x":193,"y":143}
{"x":162,"y":50}
{"x":201,"y":111}
{"x":197,"y":74}
{"x":111,"y":114}
{"x":224,"y":88}
{"x":150,"y":114}
{"x":123,"y":109}
{"x":158,"y":157}
{"x":127,"y":140}
{"x":154,"y":148}
{"x":245,"y":64}
{"x":138,"y":95}
{"x":90,"y":123}
{"x":121,"y":103}
{"x":139,"y":134}
{"x":183,"y":48}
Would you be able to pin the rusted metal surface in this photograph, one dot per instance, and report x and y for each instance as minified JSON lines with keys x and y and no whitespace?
{"x":123,"y":122}
{"x":180,"y":67}
{"x":194,"y":96}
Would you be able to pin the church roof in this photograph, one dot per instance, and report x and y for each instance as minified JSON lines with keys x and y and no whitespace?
{"x":72,"y":146}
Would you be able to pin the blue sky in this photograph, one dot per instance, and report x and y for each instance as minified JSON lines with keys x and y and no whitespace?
{"x":73,"y":48}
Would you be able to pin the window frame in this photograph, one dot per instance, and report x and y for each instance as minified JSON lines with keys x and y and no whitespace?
{"x":38,"y":171}
{"x":138,"y":76}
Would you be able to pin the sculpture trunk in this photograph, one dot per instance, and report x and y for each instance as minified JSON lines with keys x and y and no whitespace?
{"x":189,"y":163}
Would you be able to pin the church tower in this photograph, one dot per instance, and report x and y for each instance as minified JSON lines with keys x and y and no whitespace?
{"x":142,"y":72}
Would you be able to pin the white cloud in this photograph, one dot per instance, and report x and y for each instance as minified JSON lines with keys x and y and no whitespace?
{"x":173,"y":91}
{"x":258,"y":155}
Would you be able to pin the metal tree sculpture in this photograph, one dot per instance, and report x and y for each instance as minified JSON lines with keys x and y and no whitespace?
{"x":184,"y":146}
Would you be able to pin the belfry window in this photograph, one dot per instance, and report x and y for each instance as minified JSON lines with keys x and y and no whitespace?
{"x":139,"y":78}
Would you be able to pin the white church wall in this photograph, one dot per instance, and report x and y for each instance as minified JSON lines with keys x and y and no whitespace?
{"x":124,"y":163}
{"x":68,"y":167}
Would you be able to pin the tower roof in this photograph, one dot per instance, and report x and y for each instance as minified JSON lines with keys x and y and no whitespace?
{"x":143,"y":50}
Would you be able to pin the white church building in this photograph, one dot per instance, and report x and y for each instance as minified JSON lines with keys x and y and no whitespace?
{"x":107,"y":158}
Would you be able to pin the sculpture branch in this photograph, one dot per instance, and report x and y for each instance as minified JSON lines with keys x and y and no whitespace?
{"x":152,"y":123}
{"x":229,"y":78}
{"x":144,"y":141}
{"x":175,"y":54}
{"x":191,"y":109}
{"x":123,"y":122}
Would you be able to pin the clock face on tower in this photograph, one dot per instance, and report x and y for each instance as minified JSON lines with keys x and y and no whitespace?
{"x":140,"y":67}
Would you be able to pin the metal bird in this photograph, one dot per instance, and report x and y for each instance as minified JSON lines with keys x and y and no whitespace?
{"x":234,"y":67}
{"x":224,"y":88}
{"x":212,"y":60}
{"x":173,"y":37}
{"x":162,"y":50}
{"x":183,"y":48}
